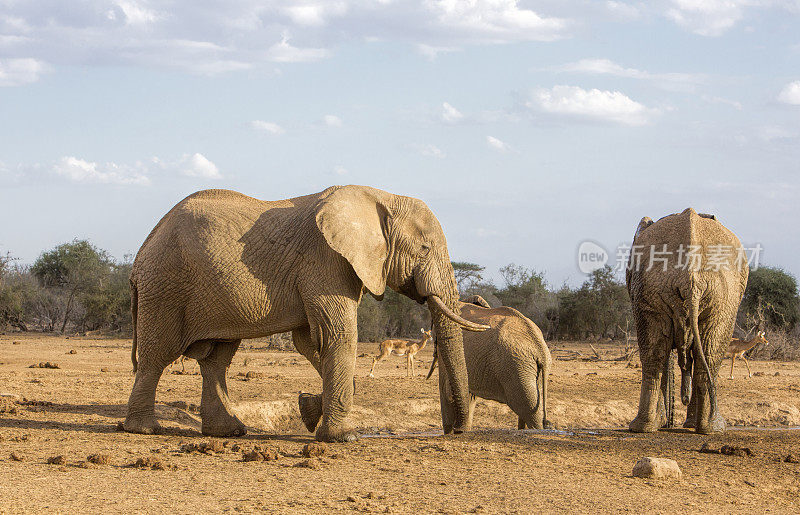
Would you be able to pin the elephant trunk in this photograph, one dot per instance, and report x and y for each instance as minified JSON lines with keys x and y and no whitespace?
{"x":543,"y":378}
{"x":450,"y":350}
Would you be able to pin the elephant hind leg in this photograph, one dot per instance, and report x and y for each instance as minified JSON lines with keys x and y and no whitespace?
{"x":215,"y":406}
{"x":140,"y":416}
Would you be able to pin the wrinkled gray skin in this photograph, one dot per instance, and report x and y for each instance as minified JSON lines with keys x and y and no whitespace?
{"x":509,"y":363}
{"x":689,"y":309}
{"x":222,"y":266}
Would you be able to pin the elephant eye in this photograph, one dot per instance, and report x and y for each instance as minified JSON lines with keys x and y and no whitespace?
{"x":423,"y":251}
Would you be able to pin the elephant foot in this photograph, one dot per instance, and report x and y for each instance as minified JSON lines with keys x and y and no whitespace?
{"x":548,"y":424}
{"x":640,"y":425}
{"x":223,"y":425}
{"x":143,"y":425}
{"x":717,"y":425}
{"x":310,"y":409}
{"x":335,"y":434}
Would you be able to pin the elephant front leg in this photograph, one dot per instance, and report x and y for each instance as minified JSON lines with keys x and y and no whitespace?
{"x":337,"y":341}
{"x":215,"y":406}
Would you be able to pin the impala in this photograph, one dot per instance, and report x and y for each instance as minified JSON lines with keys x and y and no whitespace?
{"x":737,"y":348}
{"x":401,"y":347}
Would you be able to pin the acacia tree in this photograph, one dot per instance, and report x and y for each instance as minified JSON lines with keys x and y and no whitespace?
{"x":467,"y":274}
{"x":599,"y":307}
{"x":72,"y":268}
{"x":771,"y":298}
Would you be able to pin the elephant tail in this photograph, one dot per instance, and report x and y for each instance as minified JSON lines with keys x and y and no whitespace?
{"x":134,"y":312}
{"x":694,"y":312}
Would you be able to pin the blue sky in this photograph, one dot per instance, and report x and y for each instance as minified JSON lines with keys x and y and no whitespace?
{"x":527,"y":126}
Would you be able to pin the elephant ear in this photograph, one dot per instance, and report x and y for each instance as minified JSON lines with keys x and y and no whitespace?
{"x":644,"y":223}
{"x":353,"y":221}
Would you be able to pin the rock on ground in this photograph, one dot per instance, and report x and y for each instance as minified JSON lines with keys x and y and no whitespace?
{"x":657,"y":468}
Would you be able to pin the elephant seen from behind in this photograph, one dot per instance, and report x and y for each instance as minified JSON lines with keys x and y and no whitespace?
{"x":686,"y":276}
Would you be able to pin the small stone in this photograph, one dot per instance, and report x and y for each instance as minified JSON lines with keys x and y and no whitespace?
{"x":315,"y":449}
{"x":104,"y":369}
{"x":732,"y":450}
{"x":311,"y":463}
{"x":657,"y":468}
{"x":57,"y":460}
{"x":252,"y":456}
{"x":15,"y":342}
{"x":776,"y":374}
{"x":99,"y":459}
{"x":72,"y":351}
{"x":18,"y":457}
{"x":148,"y":462}
{"x":708,"y":449}
{"x":792,"y":458}
{"x":350,"y":498}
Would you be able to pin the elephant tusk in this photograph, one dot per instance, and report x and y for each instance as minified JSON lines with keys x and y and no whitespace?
{"x":466,"y":324}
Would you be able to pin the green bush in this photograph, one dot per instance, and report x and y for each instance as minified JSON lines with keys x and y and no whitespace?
{"x":770,"y":300}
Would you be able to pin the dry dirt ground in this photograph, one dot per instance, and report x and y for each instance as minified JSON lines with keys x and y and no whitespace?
{"x":401,"y":464}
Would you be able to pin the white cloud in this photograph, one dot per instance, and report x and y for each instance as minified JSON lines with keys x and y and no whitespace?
{"x":270,"y":127}
{"x":450,"y":114}
{"x":197,"y":165}
{"x":432,"y":52}
{"x":608,"y":67}
{"x":431,"y":151}
{"x":623,"y":10}
{"x":790,"y":94}
{"x":140,"y":173}
{"x":590,"y":105}
{"x":283,"y":52}
{"x":332,"y":120}
{"x":78,"y":170}
{"x":16,"y":72}
{"x":708,"y":17}
{"x":497,"y":144}
{"x":217,"y":36}
{"x":340,"y":170}
{"x":495,"y":21}
{"x":724,"y":101}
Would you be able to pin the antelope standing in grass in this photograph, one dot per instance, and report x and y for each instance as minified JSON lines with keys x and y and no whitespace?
{"x":737,"y":348}
{"x":401,"y":347}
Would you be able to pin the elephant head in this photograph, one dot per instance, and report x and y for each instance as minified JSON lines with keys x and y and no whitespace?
{"x":396,"y":241}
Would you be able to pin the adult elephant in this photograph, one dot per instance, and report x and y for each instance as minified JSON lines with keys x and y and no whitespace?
{"x":686,"y":276}
{"x":222,"y":266}
{"x":509,"y":363}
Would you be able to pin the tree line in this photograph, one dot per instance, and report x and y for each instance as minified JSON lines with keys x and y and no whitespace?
{"x":77,"y":287}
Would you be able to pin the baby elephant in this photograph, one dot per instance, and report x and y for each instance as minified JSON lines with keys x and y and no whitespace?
{"x":508,"y":363}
